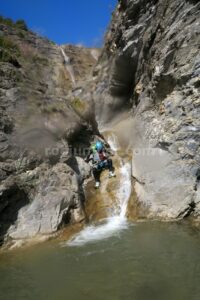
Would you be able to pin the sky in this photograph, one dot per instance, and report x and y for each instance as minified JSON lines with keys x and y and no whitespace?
{"x":63,"y":21}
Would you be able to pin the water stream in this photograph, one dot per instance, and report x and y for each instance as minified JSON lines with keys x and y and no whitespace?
{"x":69,"y":67}
{"x":116,"y":215}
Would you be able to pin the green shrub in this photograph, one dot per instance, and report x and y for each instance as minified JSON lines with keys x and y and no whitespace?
{"x":6,"y":21}
{"x":21,"y":24}
{"x":4,"y":56}
{"x":9,"y":51}
{"x":7,"y":43}
{"x":21,"y":34}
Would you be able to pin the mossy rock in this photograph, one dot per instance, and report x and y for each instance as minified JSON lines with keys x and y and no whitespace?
{"x":79,"y":105}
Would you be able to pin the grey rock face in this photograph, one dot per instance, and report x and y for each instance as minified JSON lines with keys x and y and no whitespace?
{"x":56,"y":195}
{"x":41,"y":120}
{"x":151,"y":63}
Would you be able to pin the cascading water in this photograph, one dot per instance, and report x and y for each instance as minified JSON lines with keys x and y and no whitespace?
{"x":68,"y":66}
{"x":95,"y":54}
{"x":116,"y":220}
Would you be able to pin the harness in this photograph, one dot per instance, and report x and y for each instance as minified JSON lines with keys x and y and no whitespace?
{"x":99,"y":159}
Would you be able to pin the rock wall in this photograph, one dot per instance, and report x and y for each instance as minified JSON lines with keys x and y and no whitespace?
{"x":41,"y":120}
{"x":150,"y":66}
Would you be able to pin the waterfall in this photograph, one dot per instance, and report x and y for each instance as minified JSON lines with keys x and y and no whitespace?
{"x":68,"y":66}
{"x":95,"y":54}
{"x":116,"y":220}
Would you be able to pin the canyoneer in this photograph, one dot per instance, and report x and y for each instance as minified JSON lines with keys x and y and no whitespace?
{"x":99,"y":156}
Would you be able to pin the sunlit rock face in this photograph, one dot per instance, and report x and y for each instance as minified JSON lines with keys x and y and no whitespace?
{"x":41,"y":118}
{"x":150,"y":66}
{"x":51,"y":98}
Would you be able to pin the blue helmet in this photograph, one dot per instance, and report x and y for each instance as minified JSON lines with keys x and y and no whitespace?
{"x":99,"y":146}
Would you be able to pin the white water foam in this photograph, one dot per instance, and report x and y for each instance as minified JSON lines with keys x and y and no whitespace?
{"x":113,"y":142}
{"x":116,"y":220}
{"x":68,"y":66}
{"x":95,"y":54}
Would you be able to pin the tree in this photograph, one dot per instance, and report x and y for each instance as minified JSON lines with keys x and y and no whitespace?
{"x":21,"y":24}
{"x":6,"y":21}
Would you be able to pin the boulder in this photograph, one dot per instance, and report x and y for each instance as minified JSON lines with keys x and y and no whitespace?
{"x":55,"y":196}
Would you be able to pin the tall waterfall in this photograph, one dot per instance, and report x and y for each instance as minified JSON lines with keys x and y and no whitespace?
{"x":68,"y":66}
{"x":116,"y":219}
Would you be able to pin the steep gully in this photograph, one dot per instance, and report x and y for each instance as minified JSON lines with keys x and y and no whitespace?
{"x":115,"y":220}
{"x":116,"y":206}
{"x":116,"y":213}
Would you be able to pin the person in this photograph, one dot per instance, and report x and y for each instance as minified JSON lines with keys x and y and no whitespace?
{"x":100,"y":161}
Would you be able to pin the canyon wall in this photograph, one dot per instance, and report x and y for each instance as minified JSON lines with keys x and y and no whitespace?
{"x":150,"y":67}
{"x":41,"y":120}
{"x":52,"y":97}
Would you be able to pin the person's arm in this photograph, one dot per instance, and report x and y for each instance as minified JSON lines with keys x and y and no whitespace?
{"x":89,"y":157}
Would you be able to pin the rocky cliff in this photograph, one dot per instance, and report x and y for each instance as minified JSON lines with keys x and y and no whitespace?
{"x":150,"y":66}
{"x":148,"y":75}
{"x":41,"y":121}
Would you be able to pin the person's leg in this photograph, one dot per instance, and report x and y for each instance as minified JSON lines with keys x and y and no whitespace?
{"x":110,"y":168}
{"x":96,"y":174}
{"x":110,"y":165}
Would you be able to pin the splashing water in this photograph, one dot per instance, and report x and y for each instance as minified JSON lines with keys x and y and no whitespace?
{"x":116,"y":220}
{"x":113,"y":142}
{"x":68,"y":66}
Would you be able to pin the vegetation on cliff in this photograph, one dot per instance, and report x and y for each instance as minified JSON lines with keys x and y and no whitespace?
{"x":19,"y":24}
